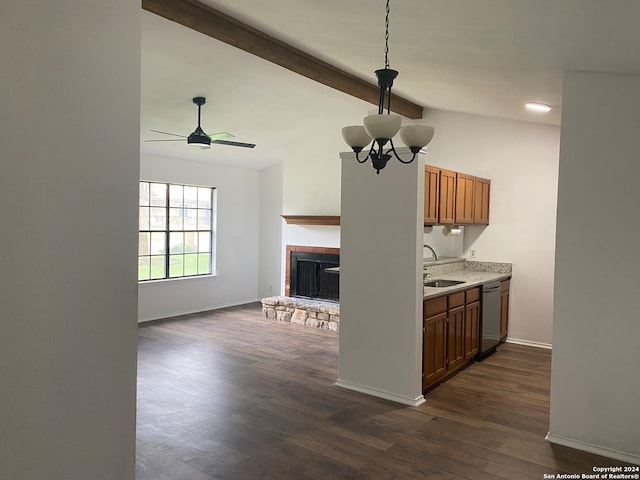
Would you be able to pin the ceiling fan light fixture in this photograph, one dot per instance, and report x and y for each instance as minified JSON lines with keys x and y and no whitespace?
{"x":537,"y":107}
{"x":199,"y":139}
{"x":382,"y":127}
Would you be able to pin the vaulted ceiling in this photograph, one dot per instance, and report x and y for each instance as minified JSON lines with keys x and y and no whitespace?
{"x":485,"y":57}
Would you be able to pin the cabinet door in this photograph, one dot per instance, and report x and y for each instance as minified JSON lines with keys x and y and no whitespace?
{"x":455,"y":337}
{"x":431,"y":194}
{"x":471,"y":329}
{"x":482,"y":189}
{"x":504,"y":309}
{"x":434,"y":353}
{"x":447,"y":197}
{"x":464,"y":198}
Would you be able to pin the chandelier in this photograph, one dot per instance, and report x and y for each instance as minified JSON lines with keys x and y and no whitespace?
{"x":382,"y":127}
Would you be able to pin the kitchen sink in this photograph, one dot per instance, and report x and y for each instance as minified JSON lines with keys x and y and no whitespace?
{"x":442,"y":283}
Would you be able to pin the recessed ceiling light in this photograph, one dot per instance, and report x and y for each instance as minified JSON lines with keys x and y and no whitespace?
{"x":537,"y":107}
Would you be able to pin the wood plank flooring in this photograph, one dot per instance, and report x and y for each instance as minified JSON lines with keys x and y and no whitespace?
{"x":229,"y":395}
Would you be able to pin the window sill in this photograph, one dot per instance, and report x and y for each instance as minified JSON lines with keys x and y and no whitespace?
{"x":177,"y":279}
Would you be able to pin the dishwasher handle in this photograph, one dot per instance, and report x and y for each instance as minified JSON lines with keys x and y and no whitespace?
{"x":491,"y":287}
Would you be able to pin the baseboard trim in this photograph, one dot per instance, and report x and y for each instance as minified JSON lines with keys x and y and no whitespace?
{"x":528,"y":343}
{"x":595,"y":449}
{"x":161,"y":316}
{"x":411,"y":402}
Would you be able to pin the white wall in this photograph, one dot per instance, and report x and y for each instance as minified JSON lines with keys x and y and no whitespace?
{"x":521,"y":159}
{"x":451,"y":246}
{"x":270,"y":249}
{"x":595,"y":391}
{"x":381,"y":280}
{"x":237,"y":240}
{"x":311,"y":184}
{"x":69,"y":130}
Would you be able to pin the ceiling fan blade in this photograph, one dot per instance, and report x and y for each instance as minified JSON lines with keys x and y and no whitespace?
{"x":172,"y":140}
{"x":221,"y":136}
{"x":167,"y":133}
{"x":234,"y":144}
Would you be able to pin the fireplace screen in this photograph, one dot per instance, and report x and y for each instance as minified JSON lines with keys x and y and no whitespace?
{"x":309,"y":278}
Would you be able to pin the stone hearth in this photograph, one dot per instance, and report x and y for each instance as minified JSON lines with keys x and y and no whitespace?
{"x":313,"y":313}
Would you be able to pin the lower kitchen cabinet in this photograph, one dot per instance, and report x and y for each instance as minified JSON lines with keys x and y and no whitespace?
{"x":435,"y":349}
{"x":455,"y":331}
{"x":471,"y":329}
{"x":450,"y":334}
{"x":504,"y":309}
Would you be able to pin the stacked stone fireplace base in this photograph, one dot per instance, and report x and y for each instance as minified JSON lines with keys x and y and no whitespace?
{"x":313,"y":313}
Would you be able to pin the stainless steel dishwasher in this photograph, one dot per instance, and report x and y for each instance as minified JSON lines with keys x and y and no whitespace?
{"x":490,"y":321}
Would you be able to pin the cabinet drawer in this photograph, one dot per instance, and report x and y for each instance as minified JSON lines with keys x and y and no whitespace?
{"x":504,"y":285}
{"x":473,"y":295}
{"x":456,"y":299}
{"x":434,"y":307}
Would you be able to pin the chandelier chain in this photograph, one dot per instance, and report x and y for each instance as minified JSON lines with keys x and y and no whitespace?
{"x":386,"y":38}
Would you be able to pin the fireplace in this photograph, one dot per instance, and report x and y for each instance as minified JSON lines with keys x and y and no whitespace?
{"x":309,"y":273}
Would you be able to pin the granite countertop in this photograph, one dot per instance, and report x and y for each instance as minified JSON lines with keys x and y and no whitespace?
{"x":472,"y":273}
{"x":470,"y":278}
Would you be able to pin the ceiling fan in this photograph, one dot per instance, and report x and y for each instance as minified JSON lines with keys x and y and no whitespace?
{"x":200,"y":139}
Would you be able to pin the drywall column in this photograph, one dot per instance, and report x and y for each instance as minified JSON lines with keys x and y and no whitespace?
{"x":595,"y":390}
{"x":270,"y":248}
{"x":381,"y":279}
{"x":69,"y":131}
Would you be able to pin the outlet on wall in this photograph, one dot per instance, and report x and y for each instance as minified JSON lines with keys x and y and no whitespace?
{"x":472,"y":253}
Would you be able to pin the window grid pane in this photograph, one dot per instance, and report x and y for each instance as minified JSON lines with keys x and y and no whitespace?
{"x":176,"y":266}
{"x":190,"y":218}
{"x":157,"y":218}
{"x":204,"y":263}
{"x":144,"y":268}
{"x":176,"y":242}
{"x":144,"y":243}
{"x":176,"y":224}
{"x":143,"y":217}
{"x":158,"y":193}
{"x":204,"y":219}
{"x":190,"y":264}
{"x":144,"y":194}
{"x":175,"y":195}
{"x":157,"y":267}
{"x":176,"y":220}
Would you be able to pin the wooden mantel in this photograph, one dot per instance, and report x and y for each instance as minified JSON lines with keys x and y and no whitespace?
{"x":331,"y":220}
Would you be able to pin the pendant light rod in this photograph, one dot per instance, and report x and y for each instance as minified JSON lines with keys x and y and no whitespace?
{"x":381,"y":128}
{"x":386,"y":36}
{"x":199,"y":101}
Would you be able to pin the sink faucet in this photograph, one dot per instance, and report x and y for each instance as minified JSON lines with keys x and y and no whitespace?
{"x":435,"y":255}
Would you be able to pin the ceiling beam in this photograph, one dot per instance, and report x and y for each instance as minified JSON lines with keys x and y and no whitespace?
{"x":213,"y":23}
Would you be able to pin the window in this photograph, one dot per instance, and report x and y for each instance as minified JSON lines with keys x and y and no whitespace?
{"x":176,"y":231}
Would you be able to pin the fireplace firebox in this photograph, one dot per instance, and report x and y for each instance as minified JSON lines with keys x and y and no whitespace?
{"x":309,"y":277}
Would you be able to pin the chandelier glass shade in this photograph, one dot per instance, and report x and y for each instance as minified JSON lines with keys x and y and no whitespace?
{"x":379,"y":130}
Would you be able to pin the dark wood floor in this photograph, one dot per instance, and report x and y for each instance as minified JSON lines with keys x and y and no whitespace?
{"x":229,"y":395}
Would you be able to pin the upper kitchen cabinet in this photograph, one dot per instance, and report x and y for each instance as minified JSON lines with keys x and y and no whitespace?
{"x":447,"y":209}
{"x":464,"y":199}
{"x":482,"y":187}
{"x":452,"y":198}
{"x":431,"y":194}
